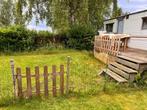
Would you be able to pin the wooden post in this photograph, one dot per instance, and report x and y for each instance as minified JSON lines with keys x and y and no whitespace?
{"x":54,"y":80}
{"x":37,"y":78}
{"x":19,"y":82}
{"x":119,"y":44}
{"x":13,"y":76}
{"x":67,"y":74}
{"x":61,"y":79}
{"x":29,"y":86}
{"x":46,"y":81}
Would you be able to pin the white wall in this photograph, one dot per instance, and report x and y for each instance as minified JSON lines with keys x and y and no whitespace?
{"x":133,"y":26}
{"x":139,"y":43}
{"x":114,"y":25}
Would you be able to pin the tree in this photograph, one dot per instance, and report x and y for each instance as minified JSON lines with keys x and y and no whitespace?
{"x":6,"y":12}
{"x":89,"y":12}
{"x":59,"y":14}
{"x":98,"y":10}
{"x":116,"y":10}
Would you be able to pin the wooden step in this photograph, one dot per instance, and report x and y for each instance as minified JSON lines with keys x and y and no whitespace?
{"x":135,"y":60}
{"x":115,"y":76}
{"x":124,"y":68}
{"x":118,"y":71}
{"x":127,"y":63}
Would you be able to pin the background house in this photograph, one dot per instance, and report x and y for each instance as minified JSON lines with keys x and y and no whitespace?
{"x":134,"y":24}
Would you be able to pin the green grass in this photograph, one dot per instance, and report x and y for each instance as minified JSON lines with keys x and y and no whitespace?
{"x":89,"y":91}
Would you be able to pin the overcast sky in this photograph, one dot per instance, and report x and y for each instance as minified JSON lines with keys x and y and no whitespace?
{"x":126,"y":5}
{"x":132,"y":5}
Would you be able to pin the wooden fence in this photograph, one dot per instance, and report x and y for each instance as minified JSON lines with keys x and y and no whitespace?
{"x":40,"y":80}
{"x":109,"y":43}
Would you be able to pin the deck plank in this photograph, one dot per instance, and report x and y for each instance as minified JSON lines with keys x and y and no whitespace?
{"x":115,"y":76}
{"x":127,"y":63}
{"x":124,"y":68}
{"x":119,"y":72}
{"x":139,"y":61}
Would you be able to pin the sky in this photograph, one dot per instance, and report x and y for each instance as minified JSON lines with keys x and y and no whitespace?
{"x":132,"y":5}
{"x":126,"y":5}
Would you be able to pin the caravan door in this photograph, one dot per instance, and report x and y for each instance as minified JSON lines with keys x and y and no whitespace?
{"x":120,"y":26}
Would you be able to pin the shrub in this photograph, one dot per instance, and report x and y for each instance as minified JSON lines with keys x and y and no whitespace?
{"x":16,"y":38}
{"x":80,"y":37}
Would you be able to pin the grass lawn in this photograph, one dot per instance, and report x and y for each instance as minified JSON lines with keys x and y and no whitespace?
{"x":89,"y":92}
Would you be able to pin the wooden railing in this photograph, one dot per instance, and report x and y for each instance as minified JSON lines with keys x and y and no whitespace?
{"x":110,"y":43}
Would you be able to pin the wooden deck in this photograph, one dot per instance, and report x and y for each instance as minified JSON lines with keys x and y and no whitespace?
{"x":123,"y":63}
{"x":127,"y":65}
{"x":137,"y":54}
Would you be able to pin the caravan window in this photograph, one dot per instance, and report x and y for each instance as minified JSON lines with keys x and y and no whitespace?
{"x":144,"y":23}
{"x":109,"y":27}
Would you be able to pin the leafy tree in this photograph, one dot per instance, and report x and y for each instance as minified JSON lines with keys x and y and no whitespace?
{"x":98,"y":10}
{"x":6,"y":12}
{"x":61,"y":15}
{"x":116,"y":10}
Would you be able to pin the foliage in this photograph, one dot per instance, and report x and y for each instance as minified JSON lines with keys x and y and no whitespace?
{"x":6,"y":12}
{"x":117,"y":11}
{"x":98,"y":10}
{"x":83,"y":12}
{"x":18,"y":38}
{"x":15,"y":38}
{"x":80,"y":37}
{"x":58,"y":14}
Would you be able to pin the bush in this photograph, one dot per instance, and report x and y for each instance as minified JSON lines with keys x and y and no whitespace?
{"x":16,"y":38}
{"x":80,"y":37}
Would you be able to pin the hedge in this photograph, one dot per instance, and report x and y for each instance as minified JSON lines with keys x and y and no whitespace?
{"x":18,"y":38}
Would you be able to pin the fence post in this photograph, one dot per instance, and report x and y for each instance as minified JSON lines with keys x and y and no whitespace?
{"x":54,"y":80}
{"x":29,"y":86}
{"x":13,"y":76}
{"x":37,"y":78}
{"x":19,"y":82}
{"x":61,"y":79}
{"x":67,"y":74}
{"x":46,"y":81}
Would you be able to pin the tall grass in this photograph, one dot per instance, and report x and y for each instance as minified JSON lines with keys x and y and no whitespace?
{"x":86,"y":87}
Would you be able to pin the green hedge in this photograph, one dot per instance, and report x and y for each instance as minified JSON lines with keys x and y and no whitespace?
{"x":80,"y":37}
{"x":18,"y":38}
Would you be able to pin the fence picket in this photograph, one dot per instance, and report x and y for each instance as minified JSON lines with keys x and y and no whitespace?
{"x":54,"y":80}
{"x":37,"y":78}
{"x":61,"y":79}
{"x":29,"y":86}
{"x":19,"y":82}
{"x":46,"y":91}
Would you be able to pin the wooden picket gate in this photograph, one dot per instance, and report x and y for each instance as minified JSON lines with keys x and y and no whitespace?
{"x":37,"y":77}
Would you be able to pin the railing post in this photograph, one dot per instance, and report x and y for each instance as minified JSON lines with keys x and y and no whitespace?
{"x":119,"y":44}
{"x":67,"y":74}
{"x":13,"y":76}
